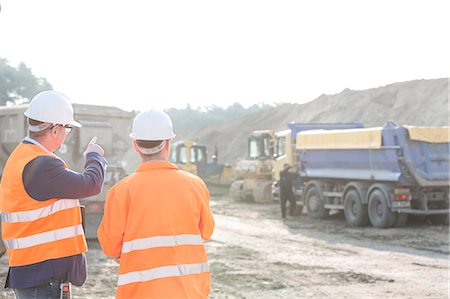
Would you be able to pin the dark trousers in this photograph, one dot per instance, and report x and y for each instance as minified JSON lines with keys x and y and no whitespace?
{"x":49,"y":290}
{"x":286,"y":196}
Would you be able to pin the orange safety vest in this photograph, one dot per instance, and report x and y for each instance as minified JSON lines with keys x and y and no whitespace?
{"x":157,"y":220}
{"x":35,"y":231}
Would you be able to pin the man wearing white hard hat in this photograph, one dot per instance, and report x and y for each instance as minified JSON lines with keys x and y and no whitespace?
{"x":40,"y":211}
{"x":157,"y":219}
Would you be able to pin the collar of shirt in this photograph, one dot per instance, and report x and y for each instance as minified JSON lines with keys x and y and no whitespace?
{"x":28,"y":139}
{"x":155,"y":165}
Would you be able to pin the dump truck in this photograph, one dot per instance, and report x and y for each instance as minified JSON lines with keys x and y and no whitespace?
{"x":189,"y":156}
{"x":254,"y":173}
{"x":375,"y":175}
{"x":111,"y":125}
{"x":285,"y":147}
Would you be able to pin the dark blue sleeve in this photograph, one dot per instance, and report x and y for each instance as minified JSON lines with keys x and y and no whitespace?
{"x":46,"y":177}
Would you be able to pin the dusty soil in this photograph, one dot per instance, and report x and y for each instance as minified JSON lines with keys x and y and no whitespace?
{"x":255,"y":254}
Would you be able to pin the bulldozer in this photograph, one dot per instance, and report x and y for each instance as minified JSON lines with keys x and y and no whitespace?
{"x":111,"y":125}
{"x":191,"y":157}
{"x":254,"y":173}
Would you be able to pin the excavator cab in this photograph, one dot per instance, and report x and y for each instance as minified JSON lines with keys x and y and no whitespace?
{"x":190,"y":157}
{"x":260,"y":145}
{"x":254,"y":174}
{"x":193,"y":158}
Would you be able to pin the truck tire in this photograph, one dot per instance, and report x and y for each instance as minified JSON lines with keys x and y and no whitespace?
{"x":315,"y":204}
{"x":380,"y":214}
{"x":354,"y":210}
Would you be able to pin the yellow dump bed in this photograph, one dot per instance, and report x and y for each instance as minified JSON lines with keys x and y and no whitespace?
{"x":366,"y":138}
{"x":369,"y":138}
{"x":429,"y":134}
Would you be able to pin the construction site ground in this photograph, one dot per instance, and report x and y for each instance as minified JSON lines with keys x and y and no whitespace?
{"x":255,"y":254}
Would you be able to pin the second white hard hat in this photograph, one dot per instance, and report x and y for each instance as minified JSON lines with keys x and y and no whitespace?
{"x":152,"y":125}
{"x":51,"y":107}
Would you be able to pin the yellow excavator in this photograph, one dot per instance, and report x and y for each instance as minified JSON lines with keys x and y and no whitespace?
{"x":254,"y":173}
{"x":193,"y":158}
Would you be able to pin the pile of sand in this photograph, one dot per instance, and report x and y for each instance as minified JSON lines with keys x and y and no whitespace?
{"x":418,"y":102}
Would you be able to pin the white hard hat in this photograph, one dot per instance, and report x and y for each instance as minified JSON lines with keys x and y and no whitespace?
{"x":152,"y":125}
{"x":51,"y":107}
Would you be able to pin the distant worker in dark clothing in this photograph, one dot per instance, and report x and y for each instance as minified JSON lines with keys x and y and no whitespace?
{"x":286,"y":193}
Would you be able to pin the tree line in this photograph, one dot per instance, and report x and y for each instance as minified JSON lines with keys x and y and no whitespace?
{"x":189,"y":118}
{"x":19,"y":84}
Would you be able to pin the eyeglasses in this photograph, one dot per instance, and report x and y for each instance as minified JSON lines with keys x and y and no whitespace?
{"x":68,"y":128}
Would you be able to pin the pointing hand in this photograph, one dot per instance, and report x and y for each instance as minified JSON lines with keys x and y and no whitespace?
{"x":94,"y":147}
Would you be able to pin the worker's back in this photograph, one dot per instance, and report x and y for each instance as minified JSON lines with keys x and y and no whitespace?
{"x":164,"y":216}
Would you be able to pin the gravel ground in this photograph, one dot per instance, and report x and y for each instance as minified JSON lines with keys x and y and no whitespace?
{"x":255,"y":254}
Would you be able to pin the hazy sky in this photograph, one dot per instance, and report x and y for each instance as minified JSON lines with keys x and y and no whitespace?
{"x":141,"y":54}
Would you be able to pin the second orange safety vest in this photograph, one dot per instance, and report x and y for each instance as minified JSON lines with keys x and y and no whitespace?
{"x":156,"y":220}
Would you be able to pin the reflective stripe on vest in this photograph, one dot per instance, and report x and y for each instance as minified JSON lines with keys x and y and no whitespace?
{"x":161,"y":241}
{"x":47,"y":237}
{"x":162,"y":272}
{"x":32,"y":215}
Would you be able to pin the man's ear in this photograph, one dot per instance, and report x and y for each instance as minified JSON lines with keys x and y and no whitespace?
{"x":135,"y":146}
{"x":54,"y":132}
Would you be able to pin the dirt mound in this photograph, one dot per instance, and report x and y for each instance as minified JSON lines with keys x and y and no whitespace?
{"x":418,"y":102}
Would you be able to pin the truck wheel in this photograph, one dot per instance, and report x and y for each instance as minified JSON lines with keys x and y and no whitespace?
{"x":315,"y":204}
{"x":380,"y":214}
{"x":354,"y":210}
